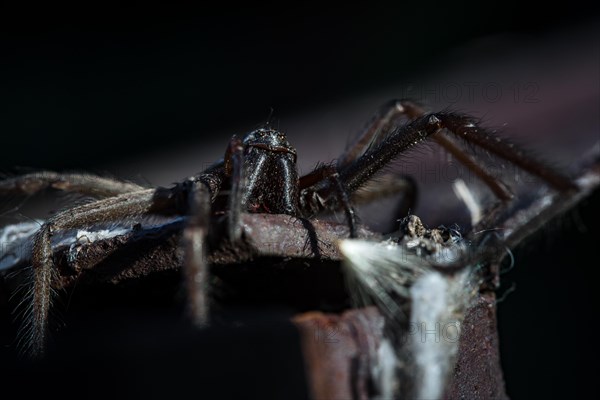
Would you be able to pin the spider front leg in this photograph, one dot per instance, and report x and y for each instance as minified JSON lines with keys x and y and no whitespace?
{"x":355,"y":175}
{"x":202,"y":189}
{"x":324,"y":186}
{"x":118,"y":208}
{"x":196,"y":269}
{"x":464,"y":127}
{"x":379,"y":127}
{"x":413,"y":110}
{"x":322,"y":190}
{"x":388,"y":116}
{"x":87,"y":184}
{"x":234,"y":168}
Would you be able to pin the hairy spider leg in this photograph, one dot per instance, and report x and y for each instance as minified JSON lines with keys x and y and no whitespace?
{"x":196,"y":268}
{"x":377,"y":128}
{"x":392,"y":110}
{"x":202,"y":190}
{"x":87,"y":184}
{"x":234,"y":167}
{"x":463,"y":127}
{"x":404,"y":137}
{"x":413,"y":110}
{"x":147,"y":201}
{"x":387,"y":185}
{"x":314,"y":200}
{"x":380,"y":126}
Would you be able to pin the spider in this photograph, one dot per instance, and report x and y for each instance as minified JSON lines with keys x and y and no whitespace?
{"x":257,"y":174}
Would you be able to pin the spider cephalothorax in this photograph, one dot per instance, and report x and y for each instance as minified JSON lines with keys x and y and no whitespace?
{"x":257,"y":174}
{"x":270,"y":174}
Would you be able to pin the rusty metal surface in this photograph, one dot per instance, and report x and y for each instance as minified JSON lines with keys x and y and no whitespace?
{"x":340,"y":349}
{"x":270,"y":235}
{"x":478,"y":374}
{"x":142,"y":252}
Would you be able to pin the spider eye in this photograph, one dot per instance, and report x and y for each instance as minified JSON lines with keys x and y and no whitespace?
{"x":281,"y":136}
{"x":260,"y":134}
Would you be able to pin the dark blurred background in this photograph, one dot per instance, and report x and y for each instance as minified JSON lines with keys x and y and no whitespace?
{"x":152,"y":93}
{"x":86,"y":87}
